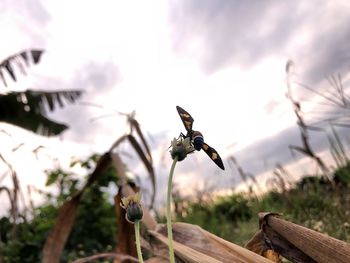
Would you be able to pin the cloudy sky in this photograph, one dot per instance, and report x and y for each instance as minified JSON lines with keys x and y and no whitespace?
{"x":223,"y":61}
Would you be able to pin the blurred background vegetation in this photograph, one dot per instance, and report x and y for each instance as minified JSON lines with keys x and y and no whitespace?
{"x":94,"y":229}
{"x":317,"y":201}
{"x":311,"y":202}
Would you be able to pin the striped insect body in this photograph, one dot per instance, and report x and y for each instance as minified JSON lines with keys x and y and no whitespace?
{"x":198,"y":140}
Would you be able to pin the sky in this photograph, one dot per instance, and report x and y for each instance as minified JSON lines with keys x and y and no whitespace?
{"x":222,"y":61}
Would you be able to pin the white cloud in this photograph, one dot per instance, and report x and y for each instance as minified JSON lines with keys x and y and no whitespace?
{"x":221,"y":61}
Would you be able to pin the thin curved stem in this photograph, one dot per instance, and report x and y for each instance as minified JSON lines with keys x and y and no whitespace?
{"x":138,"y":242}
{"x":168,"y":212}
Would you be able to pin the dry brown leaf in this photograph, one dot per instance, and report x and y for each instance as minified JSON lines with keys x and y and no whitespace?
{"x":198,"y":239}
{"x":148,"y":163}
{"x":258,"y":246}
{"x":120,"y":257}
{"x":136,"y":125}
{"x":58,"y":236}
{"x":157,"y":260}
{"x":140,"y":153}
{"x":118,"y":142}
{"x":256,"y":243}
{"x":125,"y":231}
{"x":148,"y":219}
{"x":186,"y":253}
{"x":148,"y":155}
{"x":145,"y":157}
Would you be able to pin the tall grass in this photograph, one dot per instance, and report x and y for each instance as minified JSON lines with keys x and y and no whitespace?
{"x":314,"y":205}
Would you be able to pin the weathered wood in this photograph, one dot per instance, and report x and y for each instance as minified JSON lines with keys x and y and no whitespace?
{"x":319,"y":247}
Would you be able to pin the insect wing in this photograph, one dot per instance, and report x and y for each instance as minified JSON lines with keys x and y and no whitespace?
{"x":186,"y":118}
{"x":213,"y":154}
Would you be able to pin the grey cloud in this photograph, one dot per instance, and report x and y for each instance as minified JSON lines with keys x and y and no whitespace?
{"x":275,"y":149}
{"x":93,"y":78}
{"x":96,"y":77}
{"x":36,"y":11}
{"x":331,"y":54}
{"x":30,"y":18}
{"x":232,"y":30}
{"x":32,"y":10}
{"x":242,"y":32}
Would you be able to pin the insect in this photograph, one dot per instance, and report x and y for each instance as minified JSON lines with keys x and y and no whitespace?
{"x":197,"y":138}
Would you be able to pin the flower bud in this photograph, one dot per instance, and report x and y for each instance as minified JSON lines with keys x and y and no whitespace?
{"x":180,"y":148}
{"x":133,"y":207}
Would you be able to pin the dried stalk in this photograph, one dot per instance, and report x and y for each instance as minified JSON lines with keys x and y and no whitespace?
{"x":306,"y":149}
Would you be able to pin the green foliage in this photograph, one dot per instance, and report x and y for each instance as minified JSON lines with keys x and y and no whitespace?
{"x":311,"y":183}
{"x":94,"y":229}
{"x":27,"y":244}
{"x":66,"y":183}
{"x":311,"y":203}
{"x":342,"y":176}
{"x":271,"y":201}
{"x":233,"y":208}
{"x":22,"y":60}
{"x":27,"y":109}
{"x":221,"y":217}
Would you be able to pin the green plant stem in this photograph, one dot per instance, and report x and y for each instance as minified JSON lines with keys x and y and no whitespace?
{"x":168,"y":212}
{"x":138,"y":242}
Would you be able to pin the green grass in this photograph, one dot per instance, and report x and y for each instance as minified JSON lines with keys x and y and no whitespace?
{"x":311,"y":203}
